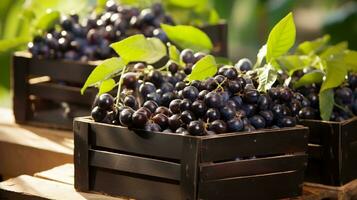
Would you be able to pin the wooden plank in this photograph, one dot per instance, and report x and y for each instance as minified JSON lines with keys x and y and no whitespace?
{"x":129,"y":185}
{"x":254,"y":187}
{"x":134,"y":141}
{"x":265,"y":142}
{"x":20,"y":66}
{"x":62,"y":174}
{"x":191,"y":151}
{"x":135,"y":164}
{"x":81,"y":162}
{"x":348,"y":151}
{"x":28,"y":187}
{"x":62,"y":93}
{"x":249,"y":167}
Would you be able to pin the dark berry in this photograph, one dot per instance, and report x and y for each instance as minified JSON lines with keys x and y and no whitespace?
{"x":235,"y":125}
{"x":230,"y":73}
{"x":105,"y":101}
{"x":185,"y":104}
{"x":251,"y":96}
{"x":238,"y":101}
{"x":129,"y":80}
{"x":344,"y":94}
{"x":167,"y":98}
{"x":218,"y":126}
{"x":130,"y":101}
{"x":244,"y":64}
{"x":234,"y":86}
{"x":307,"y":113}
{"x":180,"y":85}
{"x":287,"y":121}
{"x":190,"y":92}
{"x":196,"y":128}
{"x":147,"y":88}
{"x":173,"y":67}
{"x":187,"y":116}
{"x":174,"y":122}
{"x":199,"y":108}
{"x":212,"y":114}
{"x":174,"y":106}
{"x":263,"y":102}
{"x":152,"y":127}
{"x":187,"y":56}
{"x":139,"y":119}
{"x":202,"y":94}
{"x":257,"y":121}
{"x":125,"y":116}
{"x":268,"y":116}
{"x":249,"y":109}
{"x":146,"y":111}
{"x":98,"y":114}
{"x":154,"y":96}
{"x":227,"y":113}
{"x":182,"y":131}
{"x":151,"y":105}
{"x":213,"y":100}
{"x":164,"y":110}
{"x":161,"y":120}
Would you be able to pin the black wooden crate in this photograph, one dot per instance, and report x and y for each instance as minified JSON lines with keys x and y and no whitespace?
{"x":144,"y":165}
{"x":54,"y":99}
{"x":332,"y":151}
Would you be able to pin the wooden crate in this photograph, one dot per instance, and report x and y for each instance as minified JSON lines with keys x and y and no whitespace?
{"x":332,"y":151}
{"x":134,"y":163}
{"x":47,"y":92}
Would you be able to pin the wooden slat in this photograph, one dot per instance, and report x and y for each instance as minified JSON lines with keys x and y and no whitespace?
{"x":135,"y":164}
{"x":315,"y":151}
{"x":134,"y":187}
{"x":135,"y":142}
{"x":349,"y":150}
{"x":269,"y":186}
{"x":319,"y":130}
{"x":210,"y":171}
{"x":81,"y":162}
{"x":189,"y":168}
{"x":265,"y":142}
{"x":59,"y":93}
{"x":70,"y":71}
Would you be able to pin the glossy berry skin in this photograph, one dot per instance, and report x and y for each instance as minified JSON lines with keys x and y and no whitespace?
{"x":146,"y":111}
{"x":218,"y":126}
{"x":105,"y":101}
{"x":182,"y":131}
{"x":344,"y":94}
{"x":268,"y":116}
{"x":147,"y":88}
{"x":212,"y":114}
{"x":180,"y":85}
{"x":263,"y":102}
{"x":234,"y":86}
{"x":213,"y":100}
{"x":230,"y":73}
{"x":190,"y":92}
{"x":238,"y":101}
{"x":139,"y":119}
{"x":227,"y":113}
{"x":187,"y":56}
{"x":152,"y":127}
{"x":235,"y":125}
{"x":185,"y":105}
{"x":285,"y":94}
{"x":257,"y":121}
{"x":287,"y":121}
{"x":307,"y":113}
{"x":251,"y":96}
{"x":174,"y":122}
{"x":199,"y":55}
{"x":161,"y":120}
{"x":174,"y":106}
{"x":244,"y":64}
{"x":196,"y":128}
{"x":154,"y":96}
{"x":98,"y":114}
{"x":130,"y":101}
{"x":164,"y":110}
{"x":314,"y":99}
{"x":202,"y":94}
{"x":129,"y":80}
{"x":125,"y":116}
{"x":167,"y":98}
{"x":187,"y":116}
{"x":173,"y":67}
{"x":199,"y":108}
{"x":151,"y":105}
{"x":249,"y":109}
{"x":167,"y":87}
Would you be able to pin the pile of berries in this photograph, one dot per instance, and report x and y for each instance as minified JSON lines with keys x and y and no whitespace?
{"x":345,"y":100}
{"x":161,"y":101}
{"x":89,"y":39}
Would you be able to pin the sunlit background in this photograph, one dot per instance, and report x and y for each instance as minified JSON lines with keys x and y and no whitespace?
{"x":249,"y":22}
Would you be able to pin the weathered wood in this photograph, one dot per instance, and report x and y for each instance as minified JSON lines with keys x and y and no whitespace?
{"x":135,"y":164}
{"x":81,"y":162}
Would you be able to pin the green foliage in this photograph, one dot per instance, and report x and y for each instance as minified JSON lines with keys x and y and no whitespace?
{"x":48,"y":20}
{"x":292,"y":63}
{"x":188,"y":37}
{"x":104,"y":71}
{"x":335,"y":75}
{"x":137,"y":48}
{"x":174,"y":53}
{"x":281,"y":38}
{"x":204,"y":68}
{"x":314,"y":76}
{"x":223,"y":61}
{"x":13,"y":43}
{"x":267,"y":76}
{"x":326,"y":98}
{"x":106,"y":86}
{"x":313,"y":47}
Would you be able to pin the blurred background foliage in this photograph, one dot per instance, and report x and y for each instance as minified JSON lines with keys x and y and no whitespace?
{"x":249,"y":22}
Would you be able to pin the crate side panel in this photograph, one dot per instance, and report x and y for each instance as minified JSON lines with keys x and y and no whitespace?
{"x":280,"y":141}
{"x":136,"y":141}
{"x":116,"y":184}
{"x":349,"y":151}
{"x":81,"y":163}
{"x":211,"y":171}
{"x":268,"y":186}
{"x":135,"y":164}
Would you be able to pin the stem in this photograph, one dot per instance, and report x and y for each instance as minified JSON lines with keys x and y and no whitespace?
{"x":119,"y":86}
{"x":344,"y":109}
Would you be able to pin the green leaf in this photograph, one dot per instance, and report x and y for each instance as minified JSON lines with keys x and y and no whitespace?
{"x":204,"y":68}
{"x":48,"y":20}
{"x":350,"y":60}
{"x":104,"y":71}
{"x":335,"y":75}
{"x":174,"y":53}
{"x":260,"y":56}
{"x":137,"y":48}
{"x":188,"y":37}
{"x":184,"y":3}
{"x":314,"y":76}
{"x":326,"y":101}
{"x":334,"y":51}
{"x":223,"y":61}
{"x":106,"y":86}
{"x":312,"y":47}
{"x":267,"y":76}
{"x":281,"y":38}
{"x":8,"y":44}
{"x":292,"y":63}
